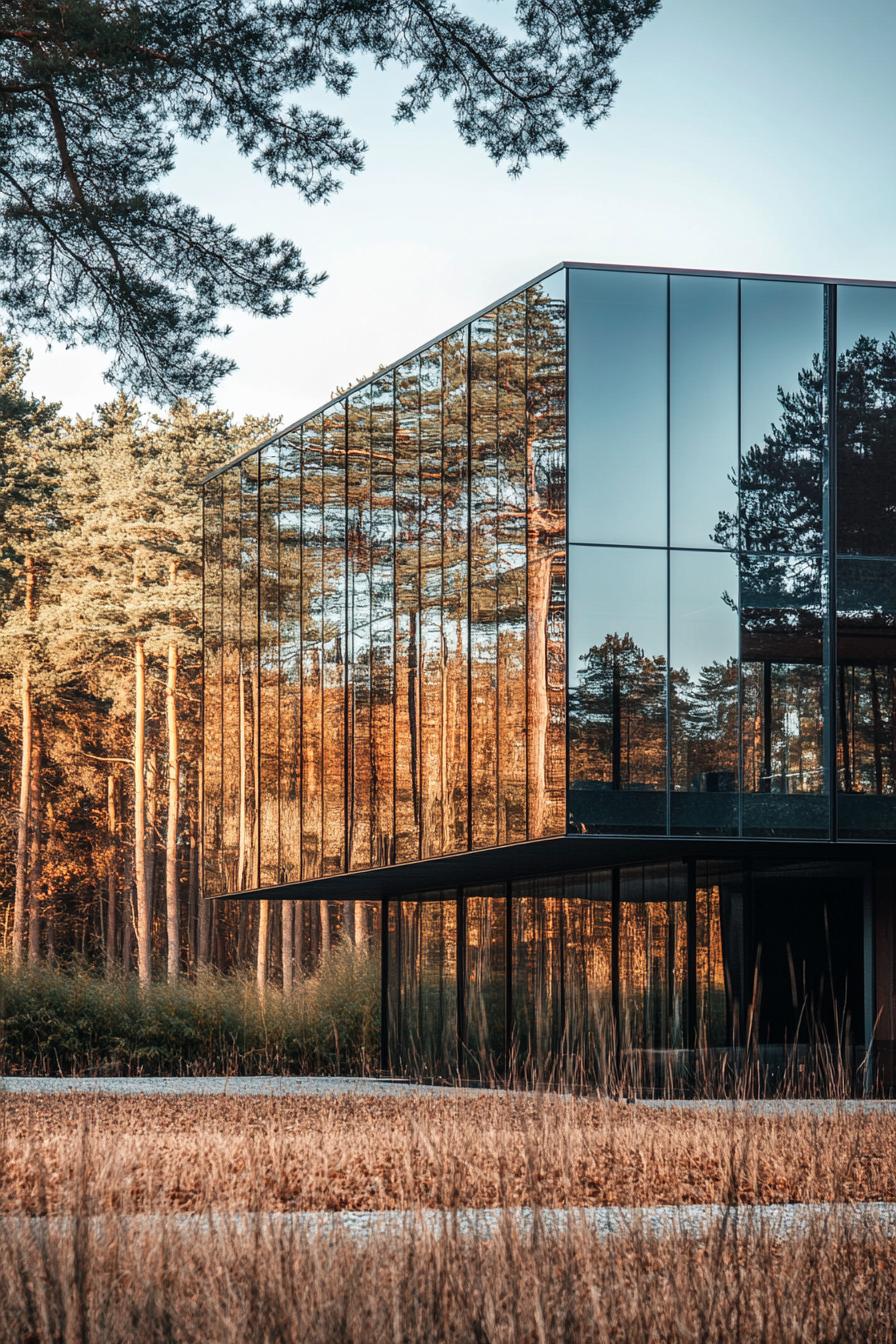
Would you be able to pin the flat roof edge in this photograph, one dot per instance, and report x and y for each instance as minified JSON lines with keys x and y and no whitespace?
{"x":551,"y":270}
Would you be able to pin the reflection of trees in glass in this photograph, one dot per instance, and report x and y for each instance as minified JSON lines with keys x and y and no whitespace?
{"x":617,"y":716}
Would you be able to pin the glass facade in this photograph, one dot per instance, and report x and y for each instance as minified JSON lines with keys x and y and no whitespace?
{"x":385,"y":605}
{"x":616,"y":558}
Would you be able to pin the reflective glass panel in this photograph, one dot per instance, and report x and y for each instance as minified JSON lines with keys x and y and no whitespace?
{"x":268,"y":664}
{"x":866,"y":696}
{"x":382,"y":671}
{"x":546,"y":555}
{"x":783,"y":696}
{"x":866,"y":420}
{"x":433,"y":781}
{"x":358,"y":559}
{"x":423,"y":975}
{"x":617,"y":696}
{"x":703,"y":656}
{"x":407,"y":611}
{"x":782,"y":418}
{"x":455,"y":593}
{"x":718,"y":957}
{"x":485,"y":996}
{"x":617,"y":407}
{"x":290,"y":605}
{"x":212,"y":606}
{"x":588,"y":973}
{"x":536,"y":918}
{"x":312,"y":647}
{"x":248,"y":707}
{"x":334,"y":640}
{"x":483,"y":580}
{"x":653,"y":957}
{"x":511,"y":571}
{"x":233,"y":738}
{"x":703,"y":408}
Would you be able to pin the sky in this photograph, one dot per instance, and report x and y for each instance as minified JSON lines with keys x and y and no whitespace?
{"x":754,"y":137}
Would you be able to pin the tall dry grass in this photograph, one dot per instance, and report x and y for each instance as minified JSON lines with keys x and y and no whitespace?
{"x":75,"y":1265}
{"x":70,"y":1020}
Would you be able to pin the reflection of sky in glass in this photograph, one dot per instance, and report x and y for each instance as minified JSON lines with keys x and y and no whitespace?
{"x":617,"y":407}
{"x":703,"y":627}
{"x":864,"y":311}
{"x":702,"y":405}
{"x":616,"y":590}
{"x":781,"y":329}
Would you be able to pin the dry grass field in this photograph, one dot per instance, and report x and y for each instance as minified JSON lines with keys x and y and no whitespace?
{"x":113,"y":1278}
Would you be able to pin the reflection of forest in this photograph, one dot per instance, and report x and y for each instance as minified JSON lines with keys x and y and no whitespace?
{"x":757,"y":719}
{"x":560,"y":952}
{"x":384,"y":615}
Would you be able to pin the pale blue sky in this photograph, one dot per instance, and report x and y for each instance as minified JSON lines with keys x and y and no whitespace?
{"x":745,"y":136}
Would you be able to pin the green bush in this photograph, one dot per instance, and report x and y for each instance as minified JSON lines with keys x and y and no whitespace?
{"x":68,"y":1021}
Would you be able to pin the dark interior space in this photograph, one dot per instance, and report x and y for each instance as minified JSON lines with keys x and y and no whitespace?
{"x":804,"y":937}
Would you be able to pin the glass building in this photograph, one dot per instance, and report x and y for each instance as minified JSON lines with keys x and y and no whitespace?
{"x":570,"y":641}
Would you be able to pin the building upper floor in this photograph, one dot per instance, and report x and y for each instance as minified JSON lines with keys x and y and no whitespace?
{"x":616,"y":556}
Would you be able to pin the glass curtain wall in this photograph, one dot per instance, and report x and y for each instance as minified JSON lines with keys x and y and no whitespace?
{"x":385,"y":599}
{"x":535,"y":974}
{"x":698,"y":633}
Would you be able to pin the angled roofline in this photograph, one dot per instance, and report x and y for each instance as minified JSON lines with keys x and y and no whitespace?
{"x":543,"y":275}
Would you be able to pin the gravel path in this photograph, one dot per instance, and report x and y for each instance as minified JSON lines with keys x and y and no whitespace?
{"x":377,"y":1087}
{"x":688,"y":1220}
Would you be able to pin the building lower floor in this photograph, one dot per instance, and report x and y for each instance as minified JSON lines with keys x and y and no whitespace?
{"x":655,"y":968}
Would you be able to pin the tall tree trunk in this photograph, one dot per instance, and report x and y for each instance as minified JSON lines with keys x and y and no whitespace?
{"x":111,"y":894}
{"x":242,"y":856}
{"x":261,"y":964}
{"x":20,"y":913}
{"x":172,"y":912}
{"x":349,"y":921}
{"x":204,"y":932}
{"x":192,"y":888}
{"x":152,"y":808}
{"x":287,"y":920}
{"x":298,"y":920}
{"x":35,"y":862}
{"x":144,"y":951}
{"x":324,"y":908}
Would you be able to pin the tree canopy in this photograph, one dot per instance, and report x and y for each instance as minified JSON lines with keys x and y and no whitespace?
{"x":94,"y":95}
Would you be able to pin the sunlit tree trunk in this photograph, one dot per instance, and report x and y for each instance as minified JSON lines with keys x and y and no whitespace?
{"x":144,"y":951}
{"x":111,"y":894}
{"x":261,"y":963}
{"x":243,"y":837}
{"x":172,"y":912}
{"x":204,"y":934}
{"x":286,"y":943}
{"x":324,"y":927}
{"x":20,"y":912}
{"x":349,"y":920}
{"x":35,"y":861}
{"x":152,"y":807}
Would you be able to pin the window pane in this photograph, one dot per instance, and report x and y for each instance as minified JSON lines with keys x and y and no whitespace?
{"x":483,"y":579}
{"x":703,"y":359}
{"x":537,"y":972}
{"x":433,"y":783}
{"x":334,"y":640}
{"x":704,"y":673}
{"x":290,"y":656}
{"x":248,"y":706}
{"x":231,"y":734}
{"x":312,"y":647}
{"x":511,"y":576}
{"x":866,"y":695}
{"x":268,"y":688}
{"x":866,"y":420}
{"x":782,"y":417}
{"x":382,"y":672}
{"x":423,"y":983}
{"x":617,"y":702}
{"x":358,"y":558}
{"x":212,"y":607}
{"x":783,"y":690}
{"x":455,"y":589}
{"x":486,"y":984}
{"x":617,"y":407}
{"x":407,"y":611}
{"x":546,"y":556}
{"x":653,"y":957}
{"x":587,"y":973}
{"x":719,"y":950}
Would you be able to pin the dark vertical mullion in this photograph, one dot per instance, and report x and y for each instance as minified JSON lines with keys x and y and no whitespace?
{"x":740,"y":609}
{"x":347,"y":664}
{"x":566,"y":555}
{"x":508,"y":979}
{"x":668,"y":696}
{"x":832,"y":548}
{"x":469,"y":396}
